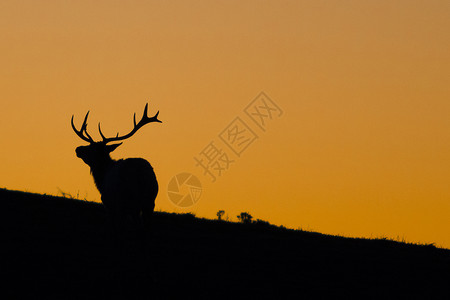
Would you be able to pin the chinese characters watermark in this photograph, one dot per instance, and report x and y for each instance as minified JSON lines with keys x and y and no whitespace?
{"x":262,"y":110}
{"x":184,"y":190}
{"x":238,"y":136}
{"x":213,"y":161}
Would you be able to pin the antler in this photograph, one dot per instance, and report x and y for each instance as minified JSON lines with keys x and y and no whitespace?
{"x":83,"y":130}
{"x":145,"y":120}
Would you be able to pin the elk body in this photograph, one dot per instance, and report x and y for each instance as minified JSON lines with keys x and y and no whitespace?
{"x":128,"y":187}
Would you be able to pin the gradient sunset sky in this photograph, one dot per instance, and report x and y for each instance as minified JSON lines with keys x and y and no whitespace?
{"x":362,"y":148}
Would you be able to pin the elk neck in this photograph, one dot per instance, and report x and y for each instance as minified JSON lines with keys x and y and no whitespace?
{"x":99,"y":171}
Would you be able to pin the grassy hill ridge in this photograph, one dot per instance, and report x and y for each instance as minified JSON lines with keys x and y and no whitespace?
{"x":61,"y":247}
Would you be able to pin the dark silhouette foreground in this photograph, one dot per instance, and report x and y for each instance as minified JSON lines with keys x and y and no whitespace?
{"x":59,"y":247}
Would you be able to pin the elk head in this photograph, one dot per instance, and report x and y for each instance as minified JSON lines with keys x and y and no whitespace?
{"x":97,"y":153}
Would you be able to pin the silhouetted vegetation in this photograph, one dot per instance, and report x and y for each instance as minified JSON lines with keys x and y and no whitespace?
{"x":61,"y":248}
{"x":245,"y":217}
{"x":220,"y":214}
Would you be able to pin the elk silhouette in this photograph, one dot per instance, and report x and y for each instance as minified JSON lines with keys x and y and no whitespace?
{"x":128,"y":187}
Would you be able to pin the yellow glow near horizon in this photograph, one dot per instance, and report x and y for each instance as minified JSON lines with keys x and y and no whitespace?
{"x":362,"y":148}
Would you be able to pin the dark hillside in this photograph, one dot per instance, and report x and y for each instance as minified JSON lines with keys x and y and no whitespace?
{"x":61,"y":247}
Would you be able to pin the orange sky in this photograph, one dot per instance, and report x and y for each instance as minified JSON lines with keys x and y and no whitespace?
{"x":362,"y":147}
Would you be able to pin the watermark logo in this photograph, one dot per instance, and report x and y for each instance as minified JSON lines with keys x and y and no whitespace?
{"x":237,"y":136}
{"x":225,"y":149}
{"x":184,"y":190}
